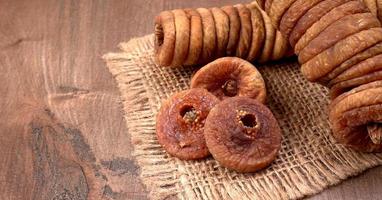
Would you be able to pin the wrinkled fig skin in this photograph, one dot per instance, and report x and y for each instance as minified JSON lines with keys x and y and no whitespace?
{"x":294,"y":13}
{"x":270,"y":35}
{"x":196,"y":37}
{"x":230,"y":76}
{"x":337,"y":31}
{"x":234,"y":29}
{"x":182,"y":26}
{"x":258,"y":32}
{"x":245,"y":36}
{"x":356,"y":117}
{"x":277,"y":10}
{"x":164,"y":38}
{"x":242,"y":134}
{"x":209,"y":35}
{"x":332,"y":16}
{"x":311,"y":17}
{"x":222,"y":30}
{"x":180,"y":123}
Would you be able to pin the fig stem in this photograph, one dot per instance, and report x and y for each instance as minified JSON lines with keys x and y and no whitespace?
{"x":190,"y":115}
{"x":375,"y":132}
{"x":230,"y":88}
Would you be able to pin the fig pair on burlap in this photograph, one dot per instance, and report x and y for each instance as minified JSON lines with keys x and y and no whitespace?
{"x":197,"y":36}
{"x":338,"y":43}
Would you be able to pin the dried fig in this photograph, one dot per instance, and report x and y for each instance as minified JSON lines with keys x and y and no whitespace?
{"x":326,"y":61}
{"x":196,"y":37}
{"x":230,"y":76}
{"x":258,"y":32}
{"x":337,"y":31}
{"x":368,"y":53}
{"x":270,"y":35}
{"x":280,"y":46}
{"x":164,"y":38}
{"x":267,"y":5}
{"x":234,"y":29}
{"x":349,"y":8}
{"x":365,"y":67}
{"x":277,"y":10}
{"x":222,"y":30}
{"x":356,"y":118}
{"x":347,"y":85}
{"x":312,"y":16}
{"x":379,"y":10}
{"x":209,"y":35}
{"x":293,"y":14}
{"x":245,"y":36}
{"x":182,"y":33}
{"x":242,"y":134}
{"x":372,"y":5}
{"x":180,"y":123}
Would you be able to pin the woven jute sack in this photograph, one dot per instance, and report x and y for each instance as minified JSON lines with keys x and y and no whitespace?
{"x":309,"y":160}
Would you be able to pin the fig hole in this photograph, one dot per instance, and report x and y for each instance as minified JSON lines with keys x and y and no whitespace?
{"x":159,"y":34}
{"x":189,"y":114}
{"x":249,"y":120}
{"x":230,"y":88}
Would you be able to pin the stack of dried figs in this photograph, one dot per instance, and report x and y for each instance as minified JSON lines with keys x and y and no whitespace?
{"x":339,"y":44}
{"x":221,"y":114}
{"x":198,"y":36}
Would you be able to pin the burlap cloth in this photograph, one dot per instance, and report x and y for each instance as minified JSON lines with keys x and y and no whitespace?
{"x":309,"y":161}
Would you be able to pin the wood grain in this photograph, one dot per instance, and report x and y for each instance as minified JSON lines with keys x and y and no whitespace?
{"x":63,"y":135}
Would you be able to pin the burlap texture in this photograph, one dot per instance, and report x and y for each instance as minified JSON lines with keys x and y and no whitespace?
{"x":309,"y":160}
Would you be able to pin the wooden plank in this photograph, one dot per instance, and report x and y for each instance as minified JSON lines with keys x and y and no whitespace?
{"x":62,"y":130}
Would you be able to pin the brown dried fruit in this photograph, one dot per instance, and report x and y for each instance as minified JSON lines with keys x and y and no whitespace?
{"x":312,"y":16}
{"x":372,"y":5}
{"x":337,"y":31}
{"x":182,"y":33}
{"x":234,"y":29}
{"x":365,"y":67}
{"x":280,"y":47}
{"x":245,"y":36}
{"x":356,"y":118}
{"x":242,"y":134}
{"x":258,"y":32}
{"x":230,"y":76}
{"x":293,"y":14}
{"x":222,"y":30}
{"x":180,"y":123}
{"x":344,"y":86}
{"x":379,"y":10}
{"x":368,"y":53}
{"x":270,"y":35}
{"x":277,"y":10}
{"x":196,"y":37}
{"x":326,"y":61}
{"x":349,"y":8}
{"x":209,"y":35}
{"x":164,"y":38}
{"x":267,"y":5}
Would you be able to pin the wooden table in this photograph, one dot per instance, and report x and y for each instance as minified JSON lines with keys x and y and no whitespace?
{"x":62,"y":131}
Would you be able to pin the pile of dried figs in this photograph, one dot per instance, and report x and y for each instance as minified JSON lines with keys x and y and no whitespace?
{"x":339,"y":44}
{"x":223,"y":115}
{"x":198,"y":36}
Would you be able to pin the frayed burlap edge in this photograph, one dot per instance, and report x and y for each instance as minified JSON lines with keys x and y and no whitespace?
{"x":164,"y":177}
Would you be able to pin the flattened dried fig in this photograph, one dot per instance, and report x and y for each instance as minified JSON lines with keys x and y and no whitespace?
{"x":347,"y":85}
{"x":312,"y":16}
{"x":349,"y":8}
{"x":209,"y":35}
{"x":326,"y":61}
{"x":164,"y":38}
{"x":368,"y":53}
{"x":356,"y":118}
{"x":196,"y":37}
{"x":245,"y":36}
{"x":294,"y":12}
{"x":365,"y":67}
{"x":242,"y":134}
{"x":277,"y":10}
{"x":230,"y":76}
{"x":337,"y":31}
{"x":280,"y":47}
{"x":258,"y":32}
{"x":222,"y":30}
{"x":270,"y":35}
{"x":234,"y":29}
{"x":182,"y":27}
{"x":180,"y":123}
